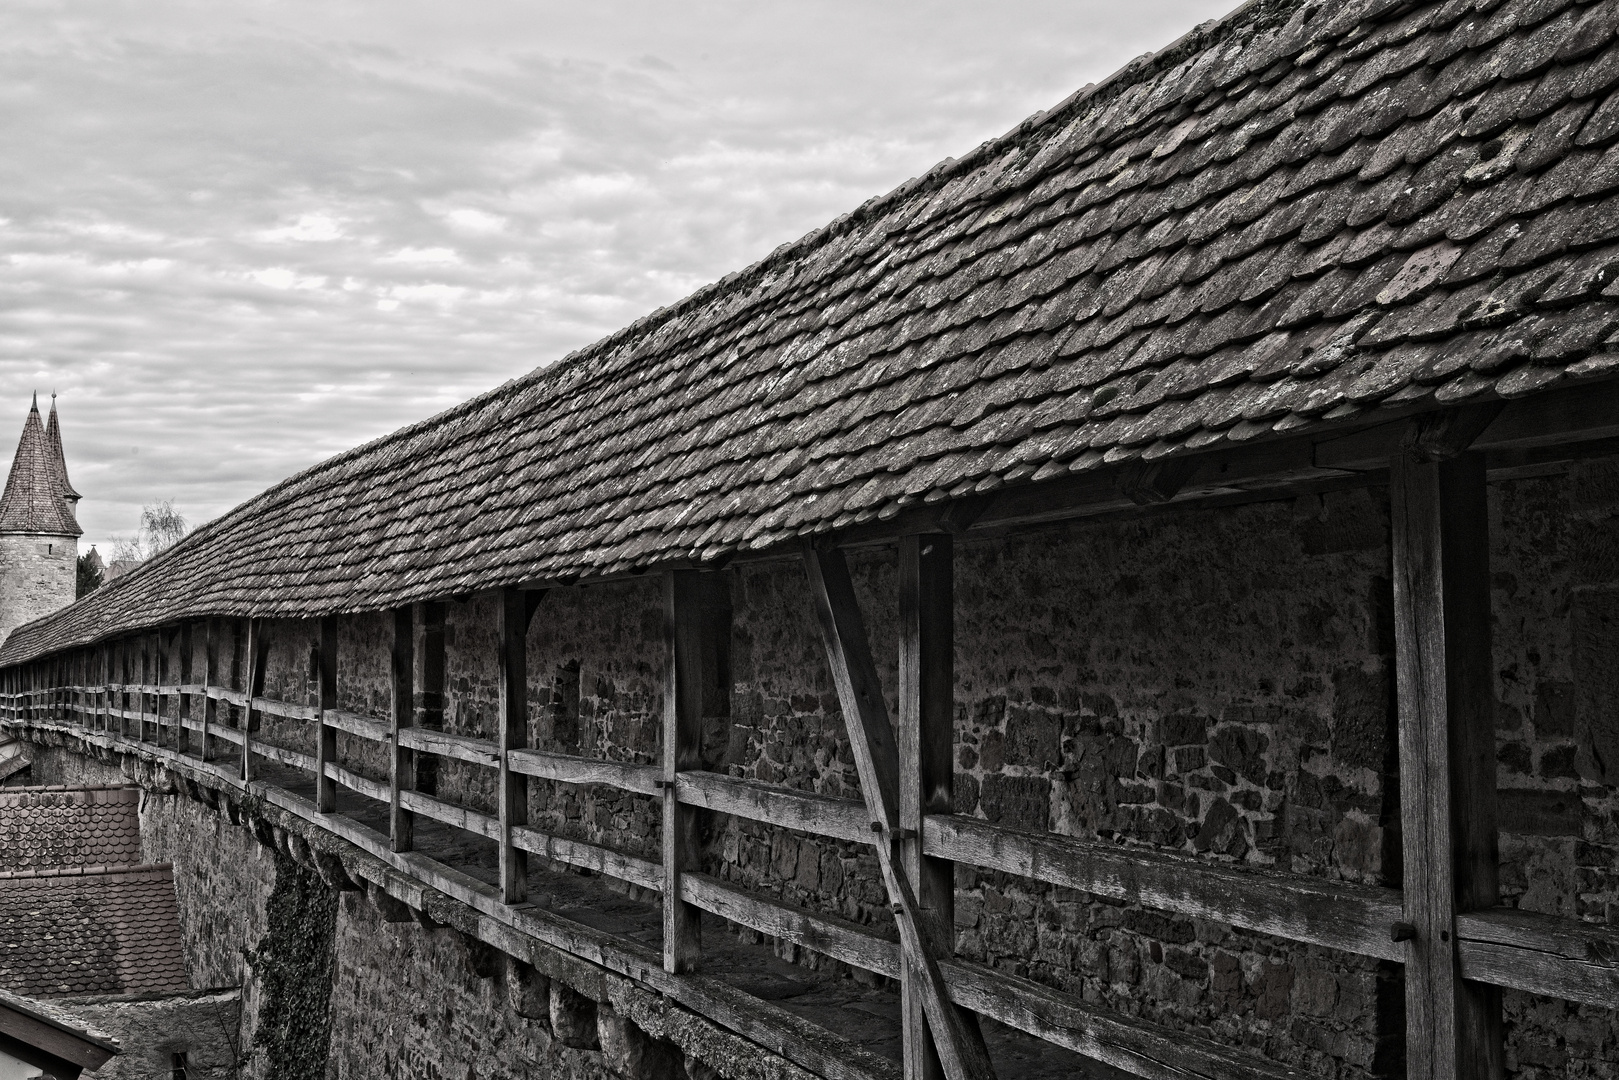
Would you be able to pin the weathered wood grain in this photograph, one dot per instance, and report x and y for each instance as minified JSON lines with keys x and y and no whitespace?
{"x":682,"y":750}
{"x":826,"y":934}
{"x":363,"y":727}
{"x":926,"y":770}
{"x":572,"y":769}
{"x":486,"y":825}
{"x":1336,"y":914}
{"x":1446,"y":705}
{"x":325,"y":734}
{"x":643,"y":872}
{"x":286,"y":756}
{"x":512,"y":787}
{"x":1541,"y":954}
{"x":1135,"y":1046}
{"x":401,"y":715}
{"x":755,"y":800}
{"x":364,"y":785}
{"x":447,"y":744}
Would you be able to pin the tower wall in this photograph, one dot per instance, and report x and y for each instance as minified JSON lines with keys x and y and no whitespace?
{"x":38,"y":575}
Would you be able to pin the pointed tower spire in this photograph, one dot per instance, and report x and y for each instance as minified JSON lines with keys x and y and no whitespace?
{"x":53,"y":437}
{"x":33,"y":501}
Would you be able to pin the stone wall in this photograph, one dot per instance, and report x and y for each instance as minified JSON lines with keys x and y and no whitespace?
{"x":38,"y":574}
{"x":1217,"y":683}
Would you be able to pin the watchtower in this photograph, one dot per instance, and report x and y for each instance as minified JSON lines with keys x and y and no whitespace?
{"x":39,"y":533}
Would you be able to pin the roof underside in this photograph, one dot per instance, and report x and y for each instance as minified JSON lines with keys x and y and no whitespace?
{"x":1290,"y":219}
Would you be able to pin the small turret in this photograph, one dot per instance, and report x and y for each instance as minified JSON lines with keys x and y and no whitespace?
{"x":38,"y":530}
{"x":53,"y":439}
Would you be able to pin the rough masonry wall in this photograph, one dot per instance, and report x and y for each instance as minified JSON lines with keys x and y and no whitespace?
{"x":38,"y":575}
{"x":1555,"y":568}
{"x":1216,"y":683}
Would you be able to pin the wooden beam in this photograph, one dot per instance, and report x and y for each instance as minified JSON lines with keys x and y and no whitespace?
{"x":183,"y":708}
{"x":258,"y":647}
{"x":755,"y":800}
{"x":1542,"y":954}
{"x":515,"y":610}
{"x":926,"y":768}
{"x":485,"y":752}
{"x":923,"y":941}
{"x":1298,"y":907}
{"x":401,"y":714}
{"x":682,"y":750}
{"x":325,"y":734}
{"x":572,"y":769}
{"x":210,"y":678}
{"x":1447,"y":757}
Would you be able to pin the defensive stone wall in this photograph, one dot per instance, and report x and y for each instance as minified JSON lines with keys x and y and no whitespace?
{"x":38,"y":575}
{"x":1218,"y":683}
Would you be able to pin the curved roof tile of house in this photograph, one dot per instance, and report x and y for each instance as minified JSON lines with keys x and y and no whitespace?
{"x":1289,"y":218}
{"x":34,"y":500}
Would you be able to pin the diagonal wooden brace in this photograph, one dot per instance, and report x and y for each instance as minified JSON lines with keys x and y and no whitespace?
{"x":871,"y":738}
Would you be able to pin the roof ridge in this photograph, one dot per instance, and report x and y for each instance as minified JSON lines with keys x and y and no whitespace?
{"x":106,"y":870}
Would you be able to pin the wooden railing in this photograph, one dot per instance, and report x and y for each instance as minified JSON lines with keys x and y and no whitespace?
{"x":1540,"y":954}
{"x":1443,"y":926}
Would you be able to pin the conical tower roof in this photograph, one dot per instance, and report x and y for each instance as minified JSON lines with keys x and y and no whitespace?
{"x":33,"y":501}
{"x":53,"y":436}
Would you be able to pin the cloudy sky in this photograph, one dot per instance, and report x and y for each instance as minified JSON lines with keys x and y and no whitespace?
{"x":236,"y":238}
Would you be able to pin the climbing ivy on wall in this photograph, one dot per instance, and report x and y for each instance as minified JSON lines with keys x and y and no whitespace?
{"x":294,"y":962}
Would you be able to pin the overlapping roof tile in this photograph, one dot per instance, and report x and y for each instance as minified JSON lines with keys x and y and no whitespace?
{"x":58,"y":827}
{"x":1290,"y":217}
{"x":90,"y":930}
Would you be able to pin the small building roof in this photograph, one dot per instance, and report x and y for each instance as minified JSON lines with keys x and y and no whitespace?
{"x":34,"y":499}
{"x":45,"y":828}
{"x":47,"y":1036}
{"x":91,"y":930}
{"x":1294,"y":220}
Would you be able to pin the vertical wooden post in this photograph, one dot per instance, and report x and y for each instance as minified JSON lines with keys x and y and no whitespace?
{"x":430,"y":692}
{"x":1447,"y":757}
{"x":515,"y":609}
{"x":210,"y":679}
{"x":258,"y":646}
{"x":164,"y":642}
{"x":402,"y":773}
{"x":326,"y":734}
{"x":183,"y":745}
{"x":146,"y":681}
{"x":123,"y":687}
{"x":926,"y":749}
{"x":682,"y":749}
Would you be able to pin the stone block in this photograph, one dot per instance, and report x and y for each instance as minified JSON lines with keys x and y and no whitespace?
{"x":527,"y":991}
{"x":1182,"y":730}
{"x":573,"y":1018}
{"x":632,"y":1054}
{"x":1529,"y":812}
{"x":1361,"y":706}
{"x":1241,"y":749}
{"x":1032,"y":737}
{"x":1017,"y":800}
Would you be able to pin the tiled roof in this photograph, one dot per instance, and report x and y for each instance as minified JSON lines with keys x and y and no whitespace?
{"x":90,"y":931}
{"x":1291,"y":218}
{"x":33,"y":500}
{"x":54,"y":827}
{"x":53,"y":440}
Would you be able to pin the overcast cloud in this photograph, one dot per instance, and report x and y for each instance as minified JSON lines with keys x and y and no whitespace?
{"x":237,"y":238}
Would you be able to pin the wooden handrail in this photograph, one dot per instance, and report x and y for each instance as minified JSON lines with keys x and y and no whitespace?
{"x":841,"y":819}
{"x":1339,"y":915}
{"x":571,"y":769}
